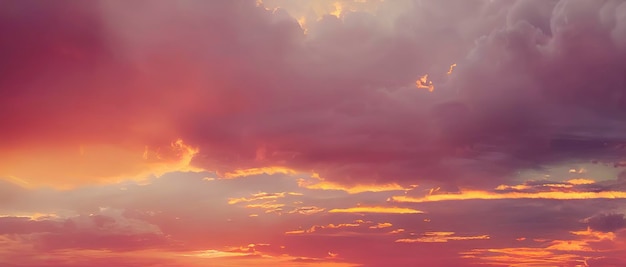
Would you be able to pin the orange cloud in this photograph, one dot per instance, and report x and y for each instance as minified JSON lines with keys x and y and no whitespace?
{"x":296,"y":232}
{"x":267,"y":201}
{"x":338,"y":9}
{"x":269,"y":207}
{"x":317,"y":228}
{"x":594,"y":235}
{"x":211,"y":253}
{"x":424,"y":83}
{"x":486,"y":195}
{"x":318,"y":183}
{"x":32,"y":216}
{"x":440,"y":237}
{"x":315,"y":10}
{"x":523,"y":257}
{"x":259,"y":171}
{"x":397,"y":231}
{"x":573,"y":183}
{"x":569,"y":245}
{"x":581,"y":170}
{"x":376,"y":209}
{"x":250,"y":248}
{"x":307,"y":210}
{"x":249,"y":256}
{"x":262,"y":196}
{"x":302,"y":22}
{"x":67,"y":166}
{"x":554,"y":254}
{"x":381,"y":225}
{"x":580,"y":181}
{"x":451,"y":68}
{"x":355,"y":227}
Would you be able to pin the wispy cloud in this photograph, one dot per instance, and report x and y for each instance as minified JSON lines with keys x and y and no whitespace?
{"x":440,"y":237}
{"x":376,"y":209}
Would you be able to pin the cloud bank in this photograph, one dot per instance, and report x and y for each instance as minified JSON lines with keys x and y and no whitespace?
{"x":535,"y":83}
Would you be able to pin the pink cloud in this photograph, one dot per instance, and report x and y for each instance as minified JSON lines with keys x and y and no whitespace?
{"x":173,"y":216}
{"x":317,"y":125}
{"x":251,"y":90}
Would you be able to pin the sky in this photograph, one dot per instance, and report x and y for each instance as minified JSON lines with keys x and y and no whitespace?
{"x":195,"y":133}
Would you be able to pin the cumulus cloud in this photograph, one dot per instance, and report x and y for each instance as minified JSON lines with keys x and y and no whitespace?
{"x":535,"y":82}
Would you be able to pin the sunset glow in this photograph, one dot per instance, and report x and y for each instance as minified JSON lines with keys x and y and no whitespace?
{"x":374,"y":133}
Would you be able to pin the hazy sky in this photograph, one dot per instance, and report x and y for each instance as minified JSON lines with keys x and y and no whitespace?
{"x":312,"y":133}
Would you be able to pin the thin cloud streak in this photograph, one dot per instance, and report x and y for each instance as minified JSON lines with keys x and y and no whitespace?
{"x":486,"y":195}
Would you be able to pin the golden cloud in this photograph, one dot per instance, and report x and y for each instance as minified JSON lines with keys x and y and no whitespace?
{"x":486,"y":195}
{"x":440,"y":237}
{"x":376,"y":209}
{"x":318,"y":183}
{"x":262,"y":196}
{"x":65,"y":167}
{"x":259,"y":171}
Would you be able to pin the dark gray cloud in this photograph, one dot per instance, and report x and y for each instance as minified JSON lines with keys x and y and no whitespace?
{"x":607,"y":222}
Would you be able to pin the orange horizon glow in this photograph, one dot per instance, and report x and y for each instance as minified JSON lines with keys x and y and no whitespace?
{"x":94,"y":162}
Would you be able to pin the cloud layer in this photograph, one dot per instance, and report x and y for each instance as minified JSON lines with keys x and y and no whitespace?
{"x":296,"y":133}
{"x":536,"y":82}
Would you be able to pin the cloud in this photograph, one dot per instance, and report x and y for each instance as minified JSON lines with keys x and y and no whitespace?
{"x":469,"y":195}
{"x":318,"y":228}
{"x":97,"y":93}
{"x":376,"y":209}
{"x":159,"y":221}
{"x":357,"y":227}
{"x":535,"y":83}
{"x":181,"y":209}
{"x":569,"y":190}
{"x":307,"y":210}
{"x":317,"y":183}
{"x":25,"y":225}
{"x":270,"y":203}
{"x":269,"y":207}
{"x":606,"y":222}
{"x":81,"y":164}
{"x":381,"y":225}
{"x":262,"y":196}
{"x":588,"y":247}
{"x":107,"y":229}
{"x":440,"y":237}
{"x":257,"y":171}
{"x":526,"y":256}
